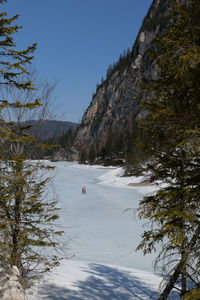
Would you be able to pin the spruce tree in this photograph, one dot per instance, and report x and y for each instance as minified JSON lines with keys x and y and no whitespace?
{"x":27,"y":213}
{"x":83,"y":156}
{"x":174,"y":122}
{"x":92,"y":155}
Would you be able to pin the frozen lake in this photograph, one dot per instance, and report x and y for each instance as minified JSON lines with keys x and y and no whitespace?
{"x":100,"y":229}
{"x":104,"y":237}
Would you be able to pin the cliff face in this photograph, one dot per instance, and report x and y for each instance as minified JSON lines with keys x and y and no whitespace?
{"x":115,"y":104}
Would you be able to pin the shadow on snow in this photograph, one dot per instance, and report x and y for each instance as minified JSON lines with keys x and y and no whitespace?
{"x":104,"y":282}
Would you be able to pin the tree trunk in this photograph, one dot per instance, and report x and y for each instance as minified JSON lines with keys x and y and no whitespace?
{"x":18,"y":199}
{"x":16,"y":251}
{"x":183,"y":281}
{"x":180,"y":267}
{"x":172,"y":281}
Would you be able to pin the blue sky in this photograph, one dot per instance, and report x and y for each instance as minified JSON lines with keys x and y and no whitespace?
{"x":77,"y":40}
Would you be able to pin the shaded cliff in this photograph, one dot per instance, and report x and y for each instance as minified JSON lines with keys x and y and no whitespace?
{"x":115,"y":105}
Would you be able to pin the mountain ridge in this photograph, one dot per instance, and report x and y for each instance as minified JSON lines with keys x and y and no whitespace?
{"x":45,"y":129}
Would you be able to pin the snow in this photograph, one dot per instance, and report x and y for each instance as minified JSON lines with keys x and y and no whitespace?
{"x":115,"y":178}
{"x":78,"y":280}
{"x":10,"y":286}
{"x":103,"y":237}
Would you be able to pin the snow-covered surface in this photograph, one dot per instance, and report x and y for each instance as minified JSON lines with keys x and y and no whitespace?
{"x":10,"y":287}
{"x":104,"y":237}
{"x":89,"y":281}
{"x":115,"y":178}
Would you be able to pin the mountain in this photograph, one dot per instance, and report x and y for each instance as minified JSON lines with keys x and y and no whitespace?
{"x":115,"y":105}
{"x":45,"y":129}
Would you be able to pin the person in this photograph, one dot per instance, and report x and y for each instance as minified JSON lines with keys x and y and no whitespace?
{"x":83,"y":190}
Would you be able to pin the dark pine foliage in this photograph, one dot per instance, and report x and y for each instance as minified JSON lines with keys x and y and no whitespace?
{"x":174,"y":121}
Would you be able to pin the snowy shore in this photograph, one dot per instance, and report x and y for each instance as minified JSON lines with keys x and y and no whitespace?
{"x":115,"y":178}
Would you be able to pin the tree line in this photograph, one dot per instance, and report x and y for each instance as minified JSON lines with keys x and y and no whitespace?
{"x":121,"y":147}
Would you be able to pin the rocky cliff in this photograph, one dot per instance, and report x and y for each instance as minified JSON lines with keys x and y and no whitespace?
{"x":116,"y":102}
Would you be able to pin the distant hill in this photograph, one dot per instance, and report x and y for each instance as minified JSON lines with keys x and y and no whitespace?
{"x":46,"y":129}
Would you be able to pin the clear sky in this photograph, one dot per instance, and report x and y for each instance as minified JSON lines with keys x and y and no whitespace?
{"x":77,"y":40}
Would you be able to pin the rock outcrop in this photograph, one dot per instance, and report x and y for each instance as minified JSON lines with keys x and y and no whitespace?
{"x":115,"y":103}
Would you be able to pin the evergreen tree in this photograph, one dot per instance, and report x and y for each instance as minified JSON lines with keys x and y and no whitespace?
{"x":174,"y":121}
{"x":92,"y":155}
{"x":83,"y":156}
{"x":27,"y":215}
{"x":109,"y":145}
{"x":136,"y":149}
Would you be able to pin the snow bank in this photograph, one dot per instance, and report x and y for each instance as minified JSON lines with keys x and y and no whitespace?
{"x":116,"y":178}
